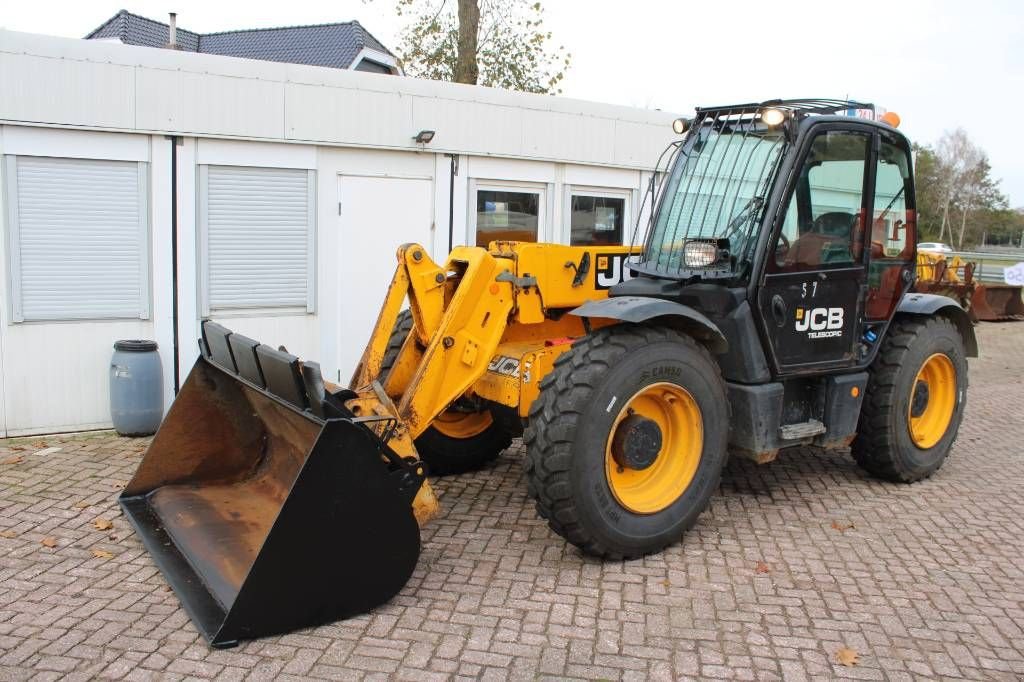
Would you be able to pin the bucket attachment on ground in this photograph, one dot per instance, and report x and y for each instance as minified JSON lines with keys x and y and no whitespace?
{"x":994,"y":302}
{"x":266,"y":504}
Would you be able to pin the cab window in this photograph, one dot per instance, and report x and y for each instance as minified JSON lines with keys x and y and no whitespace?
{"x":824,"y":218}
{"x":892,"y":230}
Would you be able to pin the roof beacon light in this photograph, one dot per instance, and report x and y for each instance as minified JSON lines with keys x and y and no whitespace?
{"x":891,"y":118}
{"x":680,"y":126}
{"x":773,"y":117}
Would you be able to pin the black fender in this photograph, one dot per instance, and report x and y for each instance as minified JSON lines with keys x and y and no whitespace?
{"x":640,"y":309}
{"x":933,"y":304}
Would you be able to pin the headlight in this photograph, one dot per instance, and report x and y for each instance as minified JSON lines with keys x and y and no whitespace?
{"x":698,"y":254}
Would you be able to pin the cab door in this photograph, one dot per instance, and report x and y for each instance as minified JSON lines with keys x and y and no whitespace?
{"x":811,"y":301}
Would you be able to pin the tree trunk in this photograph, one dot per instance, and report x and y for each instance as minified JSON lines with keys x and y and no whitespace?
{"x":945,"y":216}
{"x":469,"y":27}
{"x":963,"y":225}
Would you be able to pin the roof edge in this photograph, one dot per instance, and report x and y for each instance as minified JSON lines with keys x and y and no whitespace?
{"x":119,"y":16}
{"x":281,"y":28}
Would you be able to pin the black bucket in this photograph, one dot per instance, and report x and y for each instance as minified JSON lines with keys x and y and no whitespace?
{"x":266,"y":505}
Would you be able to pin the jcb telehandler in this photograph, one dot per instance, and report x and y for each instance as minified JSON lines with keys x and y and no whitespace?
{"x":768,"y":308}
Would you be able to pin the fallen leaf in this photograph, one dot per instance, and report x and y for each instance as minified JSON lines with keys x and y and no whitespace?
{"x":18,"y":448}
{"x":102,"y":554}
{"x":8,"y":534}
{"x":17,"y":459}
{"x":842,"y":527}
{"x":666,"y":582}
{"x":48,"y":542}
{"x":762,"y":567}
{"x":81,"y":504}
{"x":847,"y":656}
{"x":103,"y":524}
{"x":42,"y":444}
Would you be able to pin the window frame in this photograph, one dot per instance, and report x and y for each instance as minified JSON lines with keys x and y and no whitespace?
{"x":628,"y":196}
{"x":543,"y":209}
{"x":12,"y":243}
{"x":203,"y":246}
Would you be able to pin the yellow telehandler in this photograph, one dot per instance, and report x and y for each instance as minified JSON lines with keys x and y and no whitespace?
{"x":769,"y":307}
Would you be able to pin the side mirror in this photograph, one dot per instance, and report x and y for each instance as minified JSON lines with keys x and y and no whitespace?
{"x":896,"y":227}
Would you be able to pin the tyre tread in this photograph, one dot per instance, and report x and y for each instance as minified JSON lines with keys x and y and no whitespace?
{"x":555,"y":416}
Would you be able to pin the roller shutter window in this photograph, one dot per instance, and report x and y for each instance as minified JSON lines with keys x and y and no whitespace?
{"x":78,"y":238}
{"x":258,"y":227}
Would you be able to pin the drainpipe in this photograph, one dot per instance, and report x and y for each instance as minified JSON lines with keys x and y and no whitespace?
{"x":451,"y":198}
{"x":175,"y":141}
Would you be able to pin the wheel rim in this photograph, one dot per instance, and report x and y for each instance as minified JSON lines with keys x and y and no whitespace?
{"x":660,"y":484}
{"x":463,"y":425}
{"x":932,"y":401}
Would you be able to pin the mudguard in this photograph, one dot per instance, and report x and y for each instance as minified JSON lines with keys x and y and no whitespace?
{"x":639,"y":309}
{"x":933,"y":304}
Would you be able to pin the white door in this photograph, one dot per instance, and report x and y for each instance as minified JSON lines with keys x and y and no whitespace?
{"x":377,"y":216}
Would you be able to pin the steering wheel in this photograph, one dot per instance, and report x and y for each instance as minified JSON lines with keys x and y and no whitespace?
{"x":782,"y":249}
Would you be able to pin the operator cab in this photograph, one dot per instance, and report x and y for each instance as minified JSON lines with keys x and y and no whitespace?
{"x":786,"y":221}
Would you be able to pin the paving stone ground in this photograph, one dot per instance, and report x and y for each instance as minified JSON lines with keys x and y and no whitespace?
{"x":793,"y":561}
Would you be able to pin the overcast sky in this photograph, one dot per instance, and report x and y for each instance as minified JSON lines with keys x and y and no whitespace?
{"x":939,"y":64}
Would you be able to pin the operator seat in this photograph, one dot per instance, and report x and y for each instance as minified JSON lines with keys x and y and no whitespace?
{"x":828,"y":240}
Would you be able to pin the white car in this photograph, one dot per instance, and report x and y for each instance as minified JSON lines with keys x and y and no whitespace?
{"x":934,"y":247}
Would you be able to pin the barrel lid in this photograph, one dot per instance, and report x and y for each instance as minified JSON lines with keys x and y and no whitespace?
{"x":135,"y":345}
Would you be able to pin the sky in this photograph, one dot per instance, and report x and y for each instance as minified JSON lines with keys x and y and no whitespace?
{"x":941,"y":64}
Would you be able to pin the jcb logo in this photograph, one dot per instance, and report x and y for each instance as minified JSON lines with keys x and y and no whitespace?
{"x":504,"y":365}
{"x":611,"y":270}
{"x":820,"y":322}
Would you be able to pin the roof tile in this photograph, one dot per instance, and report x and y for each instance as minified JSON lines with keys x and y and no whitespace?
{"x":332,"y":45}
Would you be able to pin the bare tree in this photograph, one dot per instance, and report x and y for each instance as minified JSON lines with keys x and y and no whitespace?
{"x":497,"y":43}
{"x":958,"y":159}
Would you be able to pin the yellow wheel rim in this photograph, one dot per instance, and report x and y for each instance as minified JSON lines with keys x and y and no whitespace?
{"x":463,"y":424}
{"x":932,"y":401}
{"x":658,"y":486}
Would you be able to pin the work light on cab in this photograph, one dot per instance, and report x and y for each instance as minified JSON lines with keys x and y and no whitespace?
{"x":700,"y":254}
{"x":773,"y":117}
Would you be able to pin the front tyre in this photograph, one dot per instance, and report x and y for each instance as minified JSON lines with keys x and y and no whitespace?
{"x":627,"y":440}
{"x":914,"y":402}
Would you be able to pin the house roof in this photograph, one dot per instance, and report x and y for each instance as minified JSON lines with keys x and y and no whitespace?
{"x":332,"y":45}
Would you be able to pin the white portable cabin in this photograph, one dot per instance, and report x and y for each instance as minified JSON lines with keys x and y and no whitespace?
{"x":280,"y":191}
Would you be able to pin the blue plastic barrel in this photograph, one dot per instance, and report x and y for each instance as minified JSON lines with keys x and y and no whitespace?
{"x":136,"y":388}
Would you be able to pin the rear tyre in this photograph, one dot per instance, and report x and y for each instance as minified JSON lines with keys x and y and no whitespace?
{"x":627,"y":440}
{"x":914,"y":402}
{"x":458,"y":440}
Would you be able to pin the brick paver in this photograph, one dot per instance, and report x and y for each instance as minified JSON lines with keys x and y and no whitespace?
{"x":793,"y":561}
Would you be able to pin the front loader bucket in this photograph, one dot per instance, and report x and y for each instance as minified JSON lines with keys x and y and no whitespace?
{"x":266,"y":505}
{"x":993,"y":302}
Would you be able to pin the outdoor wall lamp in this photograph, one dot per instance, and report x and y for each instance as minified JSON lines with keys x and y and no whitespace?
{"x":424,"y":136}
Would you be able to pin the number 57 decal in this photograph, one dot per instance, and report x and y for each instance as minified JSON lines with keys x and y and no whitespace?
{"x":814,"y":289}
